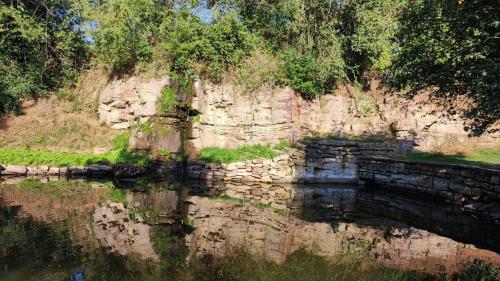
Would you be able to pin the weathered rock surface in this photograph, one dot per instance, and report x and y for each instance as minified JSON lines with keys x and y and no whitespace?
{"x":232,"y":119}
{"x":119,"y":234}
{"x":129,"y":171}
{"x":15,"y":170}
{"x":133,"y":98}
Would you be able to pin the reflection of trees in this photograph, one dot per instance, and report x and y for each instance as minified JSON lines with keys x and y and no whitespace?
{"x":27,"y":242}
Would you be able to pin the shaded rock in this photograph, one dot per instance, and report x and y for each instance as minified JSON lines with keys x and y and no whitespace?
{"x":99,"y":169}
{"x":129,"y":171}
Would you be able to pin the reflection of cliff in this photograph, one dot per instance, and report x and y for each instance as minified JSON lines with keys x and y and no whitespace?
{"x":324,"y":220}
{"x":117,"y":233}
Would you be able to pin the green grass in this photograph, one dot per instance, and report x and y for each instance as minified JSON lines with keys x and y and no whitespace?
{"x":478,"y":156}
{"x":117,"y":195}
{"x":120,"y":154}
{"x":231,"y":155}
{"x":365,"y":138}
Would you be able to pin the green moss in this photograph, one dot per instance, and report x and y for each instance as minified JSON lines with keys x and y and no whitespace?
{"x":196,"y":119}
{"x":477,"y":156}
{"x":228,"y":155}
{"x":167,"y":102}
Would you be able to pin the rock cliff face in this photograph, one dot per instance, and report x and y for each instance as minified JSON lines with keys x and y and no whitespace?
{"x":229,"y":118}
{"x":128,"y":99}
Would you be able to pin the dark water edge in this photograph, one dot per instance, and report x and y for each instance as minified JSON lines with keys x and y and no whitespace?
{"x":87,"y":230}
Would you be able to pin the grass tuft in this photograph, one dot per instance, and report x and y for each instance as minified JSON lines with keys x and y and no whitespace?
{"x":231,"y":155}
{"x":477,"y":156}
{"x":26,"y":156}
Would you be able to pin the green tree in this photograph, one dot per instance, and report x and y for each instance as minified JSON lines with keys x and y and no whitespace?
{"x":41,"y":48}
{"x":452,"y":48}
{"x":123,"y":32}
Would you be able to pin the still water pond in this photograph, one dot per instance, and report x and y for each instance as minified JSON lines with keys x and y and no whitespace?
{"x":82,"y":230}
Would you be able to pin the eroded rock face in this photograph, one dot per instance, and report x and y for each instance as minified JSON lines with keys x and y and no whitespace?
{"x":124,"y":100}
{"x":119,"y":234}
{"x":231,"y":119}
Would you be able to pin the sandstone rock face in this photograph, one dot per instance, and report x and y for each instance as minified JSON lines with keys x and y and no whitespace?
{"x":125,"y":100}
{"x":231,"y":119}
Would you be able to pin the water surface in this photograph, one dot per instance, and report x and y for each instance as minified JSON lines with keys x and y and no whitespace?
{"x":83,"y":230}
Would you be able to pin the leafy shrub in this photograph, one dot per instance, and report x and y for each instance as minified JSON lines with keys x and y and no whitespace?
{"x":256,"y":71}
{"x":42,"y":49}
{"x":122,"y":31}
{"x":308,"y":74}
{"x":365,"y":106}
{"x":196,"y":48}
{"x":449,"y":47}
{"x":196,"y":119}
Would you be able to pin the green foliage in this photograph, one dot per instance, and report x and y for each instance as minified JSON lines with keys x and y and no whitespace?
{"x":451,"y":47}
{"x":167,"y":102}
{"x":123,"y":30}
{"x":258,"y":70}
{"x":193,"y":47}
{"x":365,"y":105}
{"x":478,"y":271}
{"x":326,"y":42}
{"x":229,"y":155}
{"x":41,"y":48}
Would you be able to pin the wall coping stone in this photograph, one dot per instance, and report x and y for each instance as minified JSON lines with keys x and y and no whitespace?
{"x":434,"y":164}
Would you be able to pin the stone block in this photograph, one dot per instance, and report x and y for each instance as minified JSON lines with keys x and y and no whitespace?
{"x":54,"y":171}
{"x":15,"y":170}
{"x":495,"y":179}
{"x":459,"y":188}
{"x":440,"y":184}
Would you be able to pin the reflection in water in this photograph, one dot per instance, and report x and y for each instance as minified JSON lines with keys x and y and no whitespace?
{"x":90,"y":230}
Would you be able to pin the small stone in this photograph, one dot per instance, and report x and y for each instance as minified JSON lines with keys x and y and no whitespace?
{"x":54,"y":171}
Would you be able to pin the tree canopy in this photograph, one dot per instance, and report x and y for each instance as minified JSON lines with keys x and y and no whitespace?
{"x":448,"y":46}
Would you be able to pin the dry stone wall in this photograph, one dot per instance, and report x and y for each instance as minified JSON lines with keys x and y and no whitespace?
{"x":473,"y":187}
{"x":310,"y":161}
